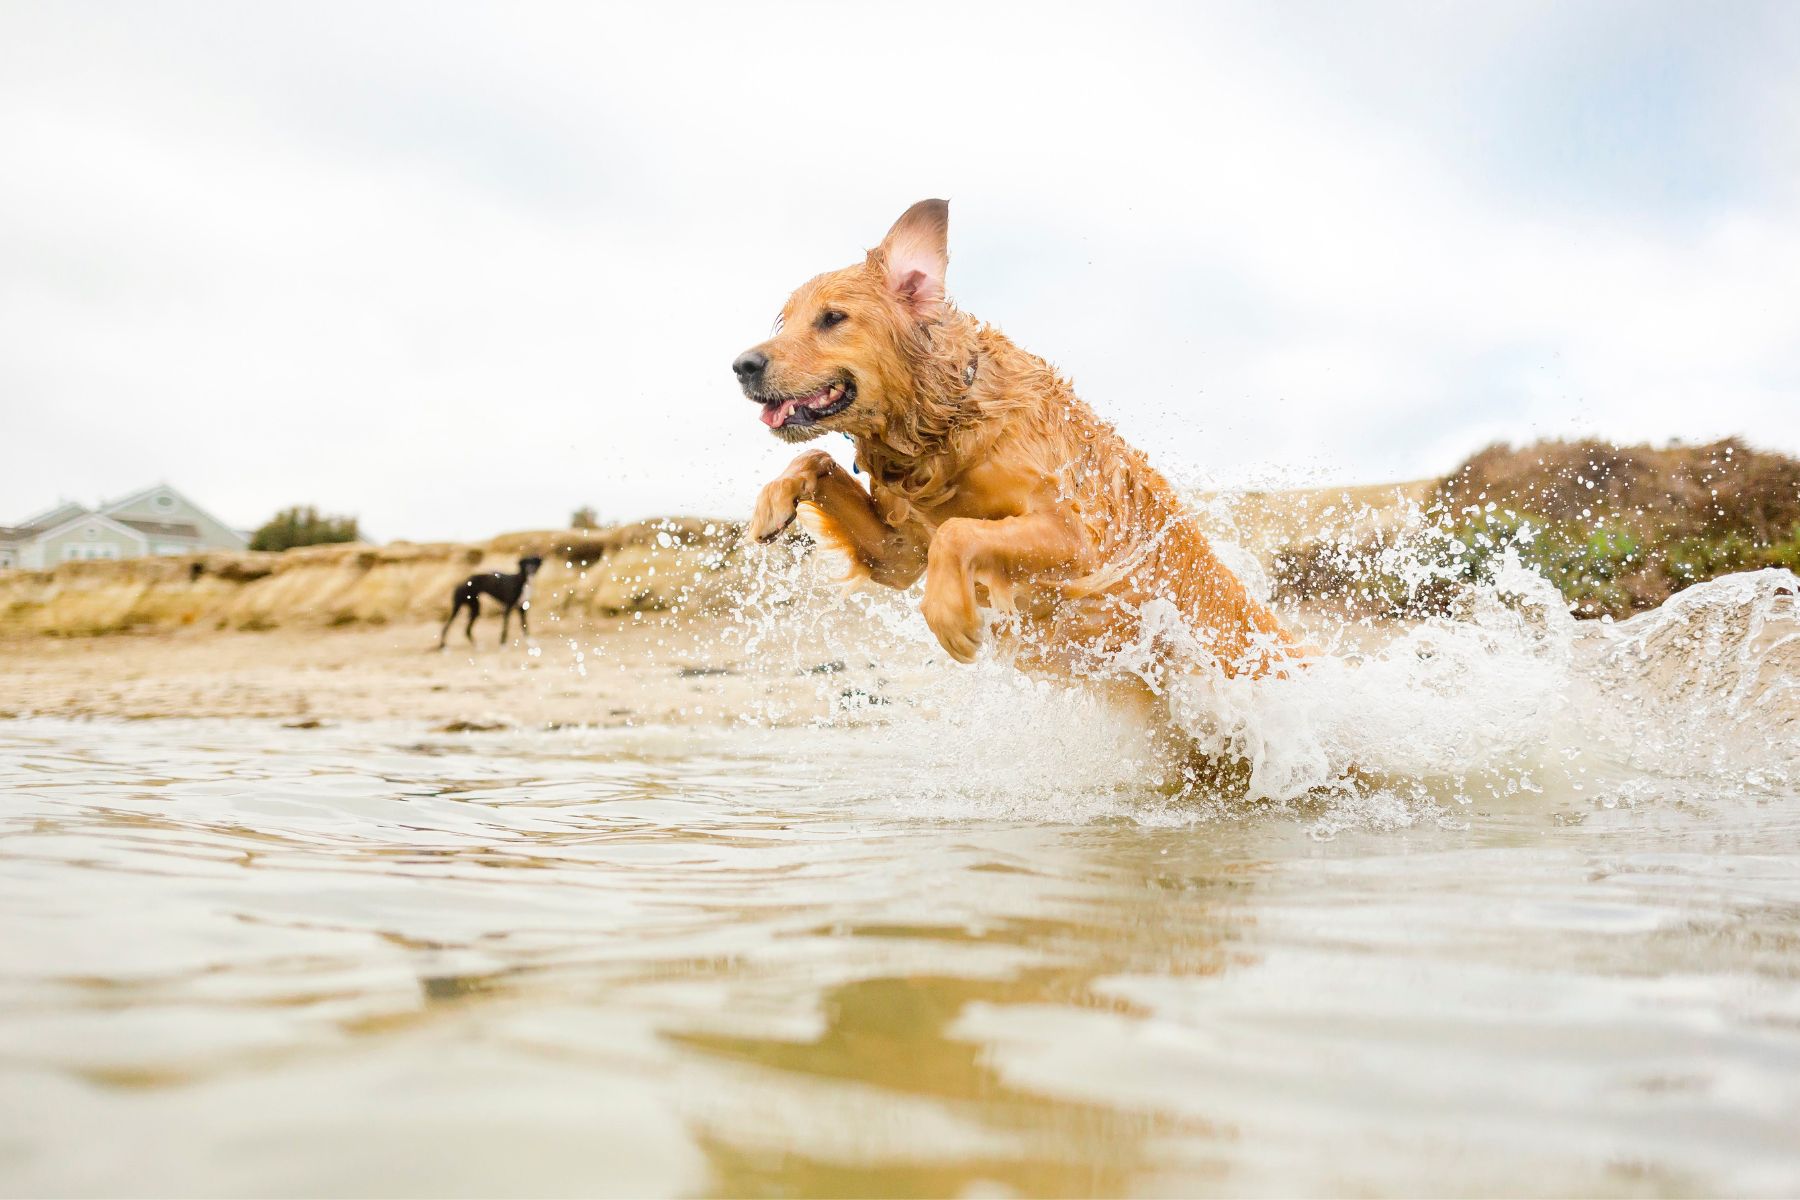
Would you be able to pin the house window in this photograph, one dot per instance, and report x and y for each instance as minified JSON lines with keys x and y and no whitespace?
{"x":165,"y":502}
{"x":73,"y":551}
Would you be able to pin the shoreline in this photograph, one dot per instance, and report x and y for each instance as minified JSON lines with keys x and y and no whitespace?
{"x":659,"y":670}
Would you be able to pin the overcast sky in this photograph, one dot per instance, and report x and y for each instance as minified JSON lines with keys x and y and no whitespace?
{"x":458,"y":269}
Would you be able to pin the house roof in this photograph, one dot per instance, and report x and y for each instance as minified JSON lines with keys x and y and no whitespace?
{"x":124,"y":502}
{"x":178,"y":529}
{"x":90,"y":516}
{"x":63,"y":513}
{"x":134,"y":497}
{"x":54,"y":520}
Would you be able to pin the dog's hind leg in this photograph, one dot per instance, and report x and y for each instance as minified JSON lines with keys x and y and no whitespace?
{"x":474,"y":611}
{"x":444,"y":634}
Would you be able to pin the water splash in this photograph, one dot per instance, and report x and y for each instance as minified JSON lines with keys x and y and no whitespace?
{"x":1707,"y":686}
{"x":1503,"y":694}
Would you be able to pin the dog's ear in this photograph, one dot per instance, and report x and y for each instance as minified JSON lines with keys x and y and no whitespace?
{"x":914,"y":256}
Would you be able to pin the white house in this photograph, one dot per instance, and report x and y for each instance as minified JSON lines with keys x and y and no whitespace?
{"x":156,"y":520}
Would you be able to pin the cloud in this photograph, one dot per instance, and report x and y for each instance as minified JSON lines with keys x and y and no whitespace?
{"x":460,"y":269}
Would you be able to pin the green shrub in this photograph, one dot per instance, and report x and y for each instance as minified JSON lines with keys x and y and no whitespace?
{"x":1615,"y":572}
{"x":303,"y":525}
{"x":1616,"y":529}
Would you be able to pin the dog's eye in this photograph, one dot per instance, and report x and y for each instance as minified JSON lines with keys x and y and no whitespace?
{"x":830,"y":317}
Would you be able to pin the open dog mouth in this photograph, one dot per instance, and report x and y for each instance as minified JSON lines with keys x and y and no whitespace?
{"x":784,"y":412}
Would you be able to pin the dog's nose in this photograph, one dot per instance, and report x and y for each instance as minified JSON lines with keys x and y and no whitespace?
{"x":749,"y":365}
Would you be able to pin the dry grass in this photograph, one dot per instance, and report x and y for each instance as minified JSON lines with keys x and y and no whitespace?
{"x":645,"y":566}
{"x":1723,"y":487}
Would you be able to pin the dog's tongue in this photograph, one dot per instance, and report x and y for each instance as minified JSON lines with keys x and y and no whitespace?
{"x":774,"y":414}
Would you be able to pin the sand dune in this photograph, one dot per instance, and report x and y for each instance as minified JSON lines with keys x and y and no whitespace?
{"x":643,"y":567}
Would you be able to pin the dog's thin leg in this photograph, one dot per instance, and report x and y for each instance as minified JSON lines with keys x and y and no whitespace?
{"x":524,"y":629}
{"x":505,"y":620}
{"x":455,"y":607}
{"x":474,"y":611}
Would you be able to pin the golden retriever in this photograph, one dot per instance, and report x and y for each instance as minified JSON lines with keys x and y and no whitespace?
{"x":987,"y":475}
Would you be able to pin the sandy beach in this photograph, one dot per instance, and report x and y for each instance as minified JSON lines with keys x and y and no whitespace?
{"x":659,"y":669}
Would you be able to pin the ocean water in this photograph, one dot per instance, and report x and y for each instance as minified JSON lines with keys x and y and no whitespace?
{"x":1498,"y":904}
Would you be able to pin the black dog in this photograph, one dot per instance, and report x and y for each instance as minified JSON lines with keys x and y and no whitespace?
{"x":512,"y":591}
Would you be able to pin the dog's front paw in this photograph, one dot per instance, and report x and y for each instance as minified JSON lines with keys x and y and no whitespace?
{"x":775,"y":509}
{"x":779,"y":501}
{"x":956,"y":626}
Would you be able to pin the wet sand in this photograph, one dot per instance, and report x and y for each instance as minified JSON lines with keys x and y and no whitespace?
{"x":654,"y":669}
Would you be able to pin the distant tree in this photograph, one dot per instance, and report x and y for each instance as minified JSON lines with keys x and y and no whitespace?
{"x":584,"y":518}
{"x":302,"y":525}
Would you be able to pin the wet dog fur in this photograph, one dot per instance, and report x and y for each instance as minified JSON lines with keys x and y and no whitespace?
{"x":987,"y":476}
